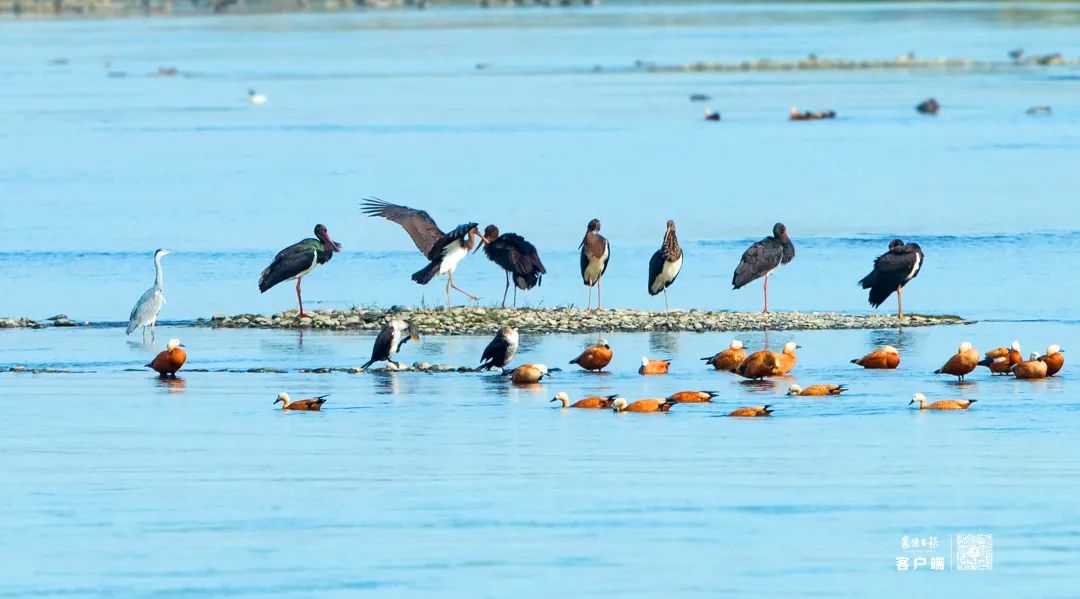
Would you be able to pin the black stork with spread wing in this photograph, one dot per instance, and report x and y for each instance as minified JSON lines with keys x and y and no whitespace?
{"x":892,"y":270}
{"x":443,"y":250}
{"x":764,"y":257}
{"x":515,"y":256}
{"x":298,"y":260}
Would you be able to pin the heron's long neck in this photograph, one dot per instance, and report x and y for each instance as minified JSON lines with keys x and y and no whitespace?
{"x":159,"y":276}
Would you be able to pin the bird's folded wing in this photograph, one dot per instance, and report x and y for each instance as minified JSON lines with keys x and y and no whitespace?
{"x":417,"y":223}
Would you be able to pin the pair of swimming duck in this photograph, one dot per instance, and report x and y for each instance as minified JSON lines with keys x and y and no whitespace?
{"x":758,"y":365}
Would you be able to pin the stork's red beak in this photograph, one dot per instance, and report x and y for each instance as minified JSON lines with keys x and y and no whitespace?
{"x":334,"y":246}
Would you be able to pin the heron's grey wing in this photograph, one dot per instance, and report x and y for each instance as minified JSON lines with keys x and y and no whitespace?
{"x":146,"y":309}
{"x":417,"y":223}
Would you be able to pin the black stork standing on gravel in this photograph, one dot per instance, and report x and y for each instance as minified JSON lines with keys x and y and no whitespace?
{"x":515,"y":255}
{"x":501,"y":350}
{"x":892,"y":270}
{"x":298,"y":260}
{"x":665,"y":264}
{"x":443,"y":250}
{"x":764,"y":257}
{"x":595,"y":252}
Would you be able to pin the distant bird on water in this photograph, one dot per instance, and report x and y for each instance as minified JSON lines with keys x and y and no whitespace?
{"x":752,"y":412}
{"x":928,"y":106}
{"x":145,"y":312}
{"x":816,"y":390}
{"x":168,"y":362}
{"x":443,"y":250}
{"x":620,"y":404}
{"x":301,"y":405}
{"x":1016,"y":55}
{"x":892,"y":270}
{"x":389,"y":341}
{"x":712,"y":115}
{"x":501,"y":350}
{"x":763,"y":258}
{"x":298,"y":260}
{"x":665,"y":264}
{"x":1055,"y":359}
{"x":515,"y":256}
{"x":883,"y":358}
{"x":595,"y":252}
{"x":945,"y":404}
{"x":1033,"y":368}
{"x":255,"y":97}
{"x":1002,"y":359}
{"x":588,"y":402}
{"x":528,"y":374}
{"x":1038,"y":110}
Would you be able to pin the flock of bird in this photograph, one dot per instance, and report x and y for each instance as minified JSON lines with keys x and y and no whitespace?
{"x":522,"y":266}
{"x":759,"y":365}
{"x":929,"y":106}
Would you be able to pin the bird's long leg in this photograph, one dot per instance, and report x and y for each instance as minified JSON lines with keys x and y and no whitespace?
{"x":300,"y":299}
{"x":515,"y":296}
{"x":589,"y":307}
{"x":447,"y":290}
{"x":153,"y":330}
{"x":766,"y":310}
{"x":507,"y":289}
{"x":899,"y":302}
{"x":450,"y":278}
{"x":599,"y":305}
{"x":666,"y":308}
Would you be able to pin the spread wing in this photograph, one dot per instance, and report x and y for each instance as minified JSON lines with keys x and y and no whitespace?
{"x":417,"y":223}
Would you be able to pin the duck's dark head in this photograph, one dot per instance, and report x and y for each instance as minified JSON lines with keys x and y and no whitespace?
{"x":896,"y":244}
{"x":779,"y":231}
{"x":324,"y":236}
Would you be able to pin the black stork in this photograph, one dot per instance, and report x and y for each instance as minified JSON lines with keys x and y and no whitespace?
{"x":389,"y":342}
{"x":595,"y":252}
{"x":892,"y":270}
{"x":443,"y":250}
{"x":515,"y":255}
{"x":665,"y":264}
{"x":298,"y":260}
{"x":501,"y":350}
{"x":764,"y":257}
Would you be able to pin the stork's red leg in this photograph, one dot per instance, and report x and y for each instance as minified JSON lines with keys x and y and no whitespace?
{"x":766,"y":310}
{"x":299,"y":299}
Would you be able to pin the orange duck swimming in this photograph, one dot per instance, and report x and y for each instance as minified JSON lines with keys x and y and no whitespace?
{"x":752,"y":412}
{"x":641,"y":405}
{"x":301,"y":405}
{"x":1034,"y":368}
{"x":886,"y":357}
{"x":945,"y":404}
{"x":816,"y":390}
{"x":692,"y":396}
{"x":729,"y":359}
{"x":654,"y":366}
{"x":588,"y":402}
{"x":168,"y":362}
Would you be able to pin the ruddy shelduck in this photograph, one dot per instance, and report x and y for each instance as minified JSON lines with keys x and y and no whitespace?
{"x":759,"y":365}
{"x":1055,"y":359}
{"x":1002,"y":359}
{"x":886,"y":357}
{"x":528,"y":374}
{"x":816,"y":390}
{"x":303,"y":405}
{"x":787,"y":358}
{"x":596,"y":358}
{"x":729,"y":359}
{"x":641,"y":405}
{"x":692,"y":396}
{"x":168,"y":362}
{"x":588,"y":402}
{"x":1034,"y":368}
{"x":945,"y":404}
{"x":751,"y":412}
{"x":654,"y":366}
{"x":962,"y":363}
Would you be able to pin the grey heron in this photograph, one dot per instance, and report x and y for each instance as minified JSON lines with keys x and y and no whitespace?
{"x":145,"y":312}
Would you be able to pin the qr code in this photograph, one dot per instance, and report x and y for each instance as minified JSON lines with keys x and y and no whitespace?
{"x":974,"y":552}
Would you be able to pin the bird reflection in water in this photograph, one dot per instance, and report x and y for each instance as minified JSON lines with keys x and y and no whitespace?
{"x":664,"y":342}
{"x":175,"y":386}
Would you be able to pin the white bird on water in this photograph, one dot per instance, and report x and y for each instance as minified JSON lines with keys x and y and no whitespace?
{"x":255,"y":97}
{"x":145,"y":312}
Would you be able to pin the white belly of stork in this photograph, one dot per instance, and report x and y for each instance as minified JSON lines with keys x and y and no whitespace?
{"x":668,"y":272}
{"x":595,"y":268}
{"x":454,"y":253}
